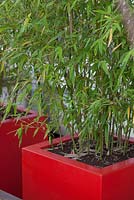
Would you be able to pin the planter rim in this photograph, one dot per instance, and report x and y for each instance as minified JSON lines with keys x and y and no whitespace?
{"x":40,"y":149}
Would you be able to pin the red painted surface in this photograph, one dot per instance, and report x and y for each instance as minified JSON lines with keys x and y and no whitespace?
{"x":53,"y":177}
{"x":10,"y":152}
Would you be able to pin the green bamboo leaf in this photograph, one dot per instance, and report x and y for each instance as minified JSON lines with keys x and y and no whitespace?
{"x":19,"y":134}
{"x":25,"y":24}
{"x":74,"y":3}
{"x":7,"y":110}
{"x":3,"y":3}
{"x":104,"y":66}
{"x":49,"y":4}
{"x":125,"y":58}
{"x":59,"y":54}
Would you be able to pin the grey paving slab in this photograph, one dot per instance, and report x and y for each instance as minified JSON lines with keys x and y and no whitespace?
{"x":6,"y":196}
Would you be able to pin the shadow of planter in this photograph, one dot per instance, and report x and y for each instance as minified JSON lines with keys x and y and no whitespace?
{"x":10,"y":152}
{"x":50,"y":176}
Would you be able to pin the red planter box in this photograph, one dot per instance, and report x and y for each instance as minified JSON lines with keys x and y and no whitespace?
{"x":53,"y":177}
{"x":10,"y":152}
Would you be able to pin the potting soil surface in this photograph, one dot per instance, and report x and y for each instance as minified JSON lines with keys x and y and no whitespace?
{"x":89,"y":156}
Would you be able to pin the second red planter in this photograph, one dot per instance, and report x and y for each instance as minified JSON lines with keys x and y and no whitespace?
{"x":10,"y":152}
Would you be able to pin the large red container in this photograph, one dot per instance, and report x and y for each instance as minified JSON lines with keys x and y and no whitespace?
{"x":53,"y":177}
{"x":10,"y":152}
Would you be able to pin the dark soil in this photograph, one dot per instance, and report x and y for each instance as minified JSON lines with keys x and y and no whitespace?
{"x":11,"y":114}
{"x":91,"y":157}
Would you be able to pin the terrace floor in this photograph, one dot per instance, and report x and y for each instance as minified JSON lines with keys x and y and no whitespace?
{"x":6,"y":196}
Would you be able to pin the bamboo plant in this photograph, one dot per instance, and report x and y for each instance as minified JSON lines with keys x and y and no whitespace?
{"x":82,"y":63}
